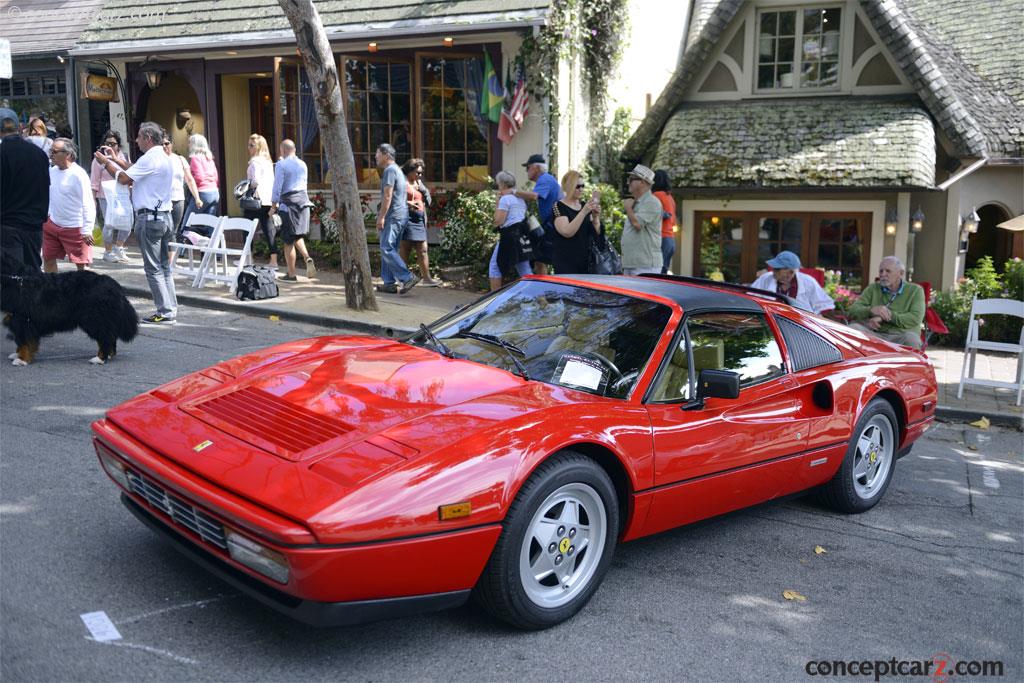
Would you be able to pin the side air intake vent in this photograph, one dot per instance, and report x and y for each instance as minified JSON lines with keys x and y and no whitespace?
{"x":806,"y":349}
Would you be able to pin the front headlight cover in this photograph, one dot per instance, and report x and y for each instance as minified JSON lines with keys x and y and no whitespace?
{"x":259,"y":558}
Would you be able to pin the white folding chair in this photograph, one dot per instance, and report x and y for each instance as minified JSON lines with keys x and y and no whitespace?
{"x":980,"y":308}
{"x":222,"y":263}
{"x":187,"y":258}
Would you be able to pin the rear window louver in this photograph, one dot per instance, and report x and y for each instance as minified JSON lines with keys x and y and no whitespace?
{"x":806,"y":349}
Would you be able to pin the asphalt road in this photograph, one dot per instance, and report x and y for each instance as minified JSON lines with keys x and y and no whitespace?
{"x":936,"y":568}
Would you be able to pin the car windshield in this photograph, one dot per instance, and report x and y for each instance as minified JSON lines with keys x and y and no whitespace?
{"x":580,"y":338}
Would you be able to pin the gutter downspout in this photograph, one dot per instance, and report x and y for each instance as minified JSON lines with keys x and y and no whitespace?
{"x":957,"y":177}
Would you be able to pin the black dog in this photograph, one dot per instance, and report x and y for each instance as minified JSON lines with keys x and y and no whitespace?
{"x":39,"y":304}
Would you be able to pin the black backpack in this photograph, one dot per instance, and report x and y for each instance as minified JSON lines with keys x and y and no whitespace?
{"x":256,"y":282}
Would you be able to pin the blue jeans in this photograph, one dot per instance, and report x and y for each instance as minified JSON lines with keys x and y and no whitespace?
{"x":668,"y":249}
{"x":392,"y":267}
{"x":154,"y":236}
{"x":211,"y":206}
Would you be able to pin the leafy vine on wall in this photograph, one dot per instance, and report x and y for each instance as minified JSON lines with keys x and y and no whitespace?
{"x":591,"y":30}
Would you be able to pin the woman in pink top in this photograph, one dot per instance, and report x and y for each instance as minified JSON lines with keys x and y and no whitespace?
{"x":204,"y":170}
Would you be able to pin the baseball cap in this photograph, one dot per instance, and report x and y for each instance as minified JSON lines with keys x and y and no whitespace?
{"x":534,"y":159}
{"x":785,"y":259}
{"x":6,"y":113}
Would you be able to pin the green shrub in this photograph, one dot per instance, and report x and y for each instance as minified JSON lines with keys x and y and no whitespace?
{"x":613,"y":215}
{"x":981,"y":281}
{"x":469,"y":235}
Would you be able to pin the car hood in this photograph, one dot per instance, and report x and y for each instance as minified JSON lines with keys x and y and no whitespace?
{"x":264,"y":434}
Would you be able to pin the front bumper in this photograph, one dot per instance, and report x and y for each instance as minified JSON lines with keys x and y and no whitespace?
{"x":308,"y":611}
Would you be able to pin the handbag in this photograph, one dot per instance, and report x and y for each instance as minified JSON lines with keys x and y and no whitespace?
{"x":118,"y":214}
{"x":245,"y":193}
{"x":604,"y":260}
{"x":535,"y":231}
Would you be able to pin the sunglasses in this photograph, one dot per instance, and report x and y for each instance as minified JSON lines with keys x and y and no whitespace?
{"x":580,"y":186}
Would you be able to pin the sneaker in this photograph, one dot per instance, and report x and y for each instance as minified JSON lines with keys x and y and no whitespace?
{"x":409,"y":284}
{"x":288,"y":278}
{"x":388,"y":289}
{"x":310,"y":268}
{"x":120,"y":255}
{"x":157,"y":319}
{"x":429,"y":283}
{"x":109,"y":257}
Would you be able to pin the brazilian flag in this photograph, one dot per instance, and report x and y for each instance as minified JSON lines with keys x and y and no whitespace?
{"x":494,"y":93}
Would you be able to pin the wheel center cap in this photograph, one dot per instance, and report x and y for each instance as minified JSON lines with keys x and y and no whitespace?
{"x":563,"y":545}
{"x":873,"y":457}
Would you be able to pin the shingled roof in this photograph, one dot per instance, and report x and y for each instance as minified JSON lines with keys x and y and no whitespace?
{"x":180,"y":24}
{"x":862,"y":142}
{"x":963,"y":58}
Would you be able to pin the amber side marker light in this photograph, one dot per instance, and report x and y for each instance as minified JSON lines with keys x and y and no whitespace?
{"x":453,"y":511}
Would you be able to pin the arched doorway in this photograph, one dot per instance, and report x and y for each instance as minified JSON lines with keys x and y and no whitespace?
{"x":167,"y":106}
{"x":990,"y":240}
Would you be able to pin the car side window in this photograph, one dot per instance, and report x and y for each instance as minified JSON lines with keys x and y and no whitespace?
{"x":741,"y":342}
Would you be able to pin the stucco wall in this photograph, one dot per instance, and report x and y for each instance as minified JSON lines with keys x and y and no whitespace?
{"x":175,"y":93}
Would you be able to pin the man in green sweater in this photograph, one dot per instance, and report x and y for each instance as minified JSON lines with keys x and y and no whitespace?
{"x":892,"y":308}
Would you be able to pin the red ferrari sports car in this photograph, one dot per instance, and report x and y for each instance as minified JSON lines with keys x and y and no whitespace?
{"x":505,"y":450}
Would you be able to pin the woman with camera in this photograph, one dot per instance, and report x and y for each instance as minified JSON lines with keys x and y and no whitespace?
{"x":113,"y":240}
{"x":577,"y":225}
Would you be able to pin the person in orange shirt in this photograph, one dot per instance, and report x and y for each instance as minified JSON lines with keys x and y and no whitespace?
{"x":668,"y":218}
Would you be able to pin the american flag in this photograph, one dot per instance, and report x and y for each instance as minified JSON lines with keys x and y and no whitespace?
{"x":516,"y":108}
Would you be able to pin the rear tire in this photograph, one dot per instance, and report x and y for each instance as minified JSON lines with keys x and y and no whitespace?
{"x":870,"y":459}
{"x":559,"y":537}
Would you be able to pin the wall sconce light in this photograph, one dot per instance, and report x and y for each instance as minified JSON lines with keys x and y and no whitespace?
{"x":917,"y":220}
{"x":891,"y":220}
{"x":372,"y":47}
{"x":448,"y":41}
{"x":971,"y":222}
{"x":153,"y":76}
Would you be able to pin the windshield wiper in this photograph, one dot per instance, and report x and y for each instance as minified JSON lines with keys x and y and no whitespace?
{"x":510,"y":348}
{"x":435,"y":342}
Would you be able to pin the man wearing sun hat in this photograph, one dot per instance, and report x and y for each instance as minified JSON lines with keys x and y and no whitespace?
{"x":641,"y":236}
{"x":785,"y":278}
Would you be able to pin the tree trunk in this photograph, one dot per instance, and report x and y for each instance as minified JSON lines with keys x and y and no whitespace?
{"x":330,"y":115}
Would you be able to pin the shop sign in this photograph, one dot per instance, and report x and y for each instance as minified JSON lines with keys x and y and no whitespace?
{"x":101,"y":88}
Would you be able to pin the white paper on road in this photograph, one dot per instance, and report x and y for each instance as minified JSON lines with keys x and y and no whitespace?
{"x":581,"y":375}
{"x":100,"y":626}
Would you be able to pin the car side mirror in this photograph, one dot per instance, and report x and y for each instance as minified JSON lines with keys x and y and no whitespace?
{"x":714,"y":384}
{"x":718,"y":384}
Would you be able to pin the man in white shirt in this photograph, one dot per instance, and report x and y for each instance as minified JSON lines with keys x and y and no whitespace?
{"x":151,"y":178}
{"x":786,"y":278}
{"x":72,"y":213}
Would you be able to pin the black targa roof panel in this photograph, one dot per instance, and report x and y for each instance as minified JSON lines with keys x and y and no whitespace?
{"x":690,"y":297}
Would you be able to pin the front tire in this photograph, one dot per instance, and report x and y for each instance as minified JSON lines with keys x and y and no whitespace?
{"x":870,"y":459}
{"x":559,"y":537}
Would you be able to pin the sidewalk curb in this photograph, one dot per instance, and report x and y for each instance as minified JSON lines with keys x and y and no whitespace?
{"x":263,"y":311}
{"x":944,"y":414}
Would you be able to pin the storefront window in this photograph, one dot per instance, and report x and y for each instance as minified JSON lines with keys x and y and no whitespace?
{"x":454,"y":133}
{"x":738,"y":244}
{"x":298,"y":120}
{"x":378,"y":101}
{"x":721,"y":246}
{"x":37,"y":94}
{"x":841,"y":247}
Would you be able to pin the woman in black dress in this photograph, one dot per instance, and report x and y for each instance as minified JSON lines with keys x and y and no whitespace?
{"x":577,"y":224}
